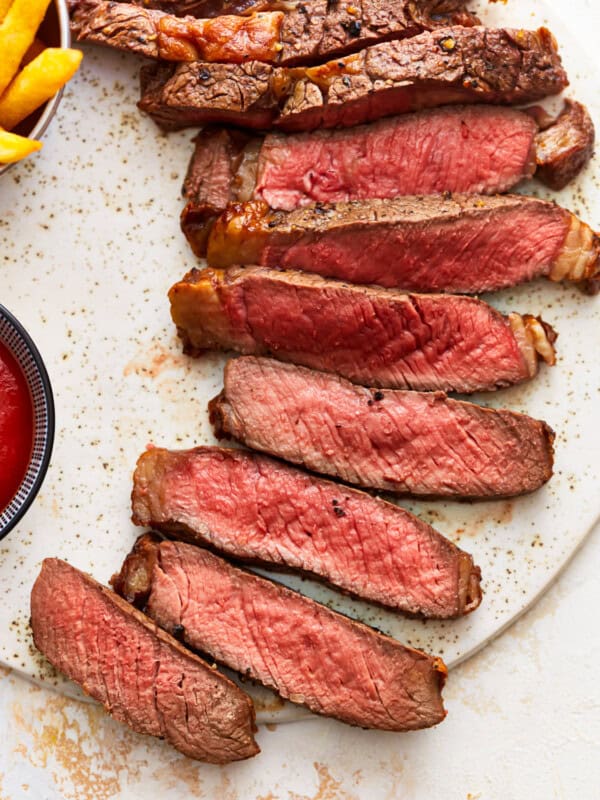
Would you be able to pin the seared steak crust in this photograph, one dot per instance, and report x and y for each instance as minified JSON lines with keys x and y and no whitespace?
{"x":142,"y":676}
{"x":465,"y":243}
{"x":449,"y":65}
{"x":207,"y":8}
{"x":565,"y":146}
{"x":374,"y":336}
{"x":403,"y":442}
{"x":429,"y":13}
{"x":258,"y":510}
{"x":309,"y":32}
{"x":303,"y":650}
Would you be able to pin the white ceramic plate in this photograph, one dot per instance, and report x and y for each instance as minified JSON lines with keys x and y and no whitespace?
{"x":90,"y":243}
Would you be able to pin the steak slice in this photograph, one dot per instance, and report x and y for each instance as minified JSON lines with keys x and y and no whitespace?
{"x":403,"y":442}
{"x":468,"y":149}
{"x":374,"y":336}
{"x":258,"y":510}
{"x":142,"y":676}
{"x":565,"y":145}
{"x":437,"y":12}
{"x":465,"y":243}
{"x":158,"y":35}
{"x":309,"y":32}
{"x":448,"y":65}
{"x":207,"y":8}
{"x":306,"y":652}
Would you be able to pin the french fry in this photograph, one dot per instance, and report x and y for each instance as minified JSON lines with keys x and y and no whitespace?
{"x":33,"y":51}
{"x":17,"y":32}
{"x":37,"y":83}
{"x":14,"y":148}
{"x":4,"y":6}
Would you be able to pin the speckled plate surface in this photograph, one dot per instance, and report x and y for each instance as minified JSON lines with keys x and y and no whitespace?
{"x":90,"y":243}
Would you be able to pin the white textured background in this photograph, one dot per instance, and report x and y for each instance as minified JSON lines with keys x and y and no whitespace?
{"x":523,"y":722}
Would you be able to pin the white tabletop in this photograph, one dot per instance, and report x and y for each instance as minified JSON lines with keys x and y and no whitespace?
{"x":523,"y":716}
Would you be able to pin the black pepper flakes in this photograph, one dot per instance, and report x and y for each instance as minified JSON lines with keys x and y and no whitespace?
{"x":346,"y":81}
{"x":378,"y":395}
{"x":355,"y":28}
{"x":178,"y":631}
{"x":204,"y":75}
{"x":339,"y":512}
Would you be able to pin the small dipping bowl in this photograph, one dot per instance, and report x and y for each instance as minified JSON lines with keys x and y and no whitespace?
{"x":55,"y":32}
{"x":17,"y":342}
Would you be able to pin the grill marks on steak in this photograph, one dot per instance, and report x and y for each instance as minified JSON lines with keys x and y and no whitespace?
{"x":449,"y":65}
{"x":312,"y":31}
{"x":403,"y":442}
{"x":435,"y":12}
{"x":303,"y":650}
{"x":369,"y":335}
{"x":465,"y":243}
{"x":261,"y":511}
{"x":142,"y":676}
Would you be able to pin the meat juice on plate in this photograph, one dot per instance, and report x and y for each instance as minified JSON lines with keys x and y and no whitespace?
{"x":16,"y":426}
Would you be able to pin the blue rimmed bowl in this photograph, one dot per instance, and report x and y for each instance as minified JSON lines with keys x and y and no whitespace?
{"x":16,"y":339}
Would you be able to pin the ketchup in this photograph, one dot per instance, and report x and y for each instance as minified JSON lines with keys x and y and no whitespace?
{"x":16,"y":426}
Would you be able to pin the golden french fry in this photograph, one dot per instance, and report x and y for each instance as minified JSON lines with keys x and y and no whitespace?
{"x":33,"y":51}
{"x":37,"y":83}
{"x":17,"y":32}
{"x":4,"y":6}
{"x":14,"y":148}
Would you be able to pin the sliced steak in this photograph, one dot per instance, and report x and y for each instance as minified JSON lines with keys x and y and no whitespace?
{"x":208,"y":8}
{"x":565,"y":146}
{"x":142,"y":676}
{"x":303,"y":650}
{"x":465,"y":243}
{"x":158,"y":35}
{"x":469,"y":149}
{"x":403,"y":442}
{"x":482,"y":149}
{"x":427,"y":13}
{"x":258,"y":510}
{"x":449,"y":65}
{"x":378,"y":337}
{"x":214,"y":178}
{"x":309,"y":32}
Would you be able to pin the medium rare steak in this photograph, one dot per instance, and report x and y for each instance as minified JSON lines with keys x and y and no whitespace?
{"x":403,"y":442}
{"x":303,"y":650}
{"x":309,"y":32}
{"x":464,"y":243}
{"x":258,"y":510}
{"x":374,"y":336}
{"x":142,"y":676}
{"x":449,"y":65}
{"x":469,"y":149}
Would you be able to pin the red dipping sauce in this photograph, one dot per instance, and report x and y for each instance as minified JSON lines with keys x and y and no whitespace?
{"x":16,"y":426}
